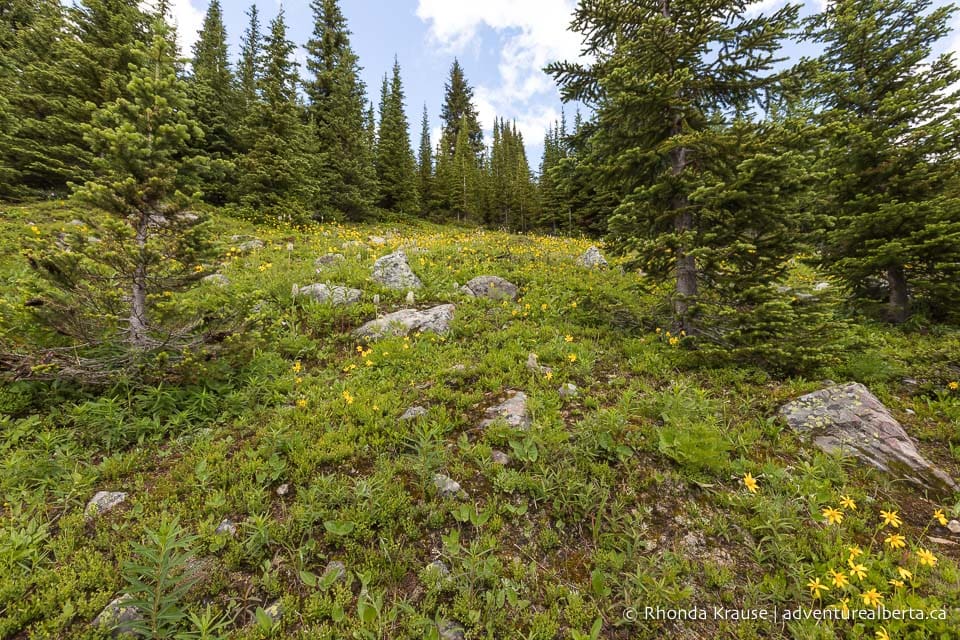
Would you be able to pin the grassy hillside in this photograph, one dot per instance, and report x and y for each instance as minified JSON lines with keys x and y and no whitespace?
{"x":628,"y":495}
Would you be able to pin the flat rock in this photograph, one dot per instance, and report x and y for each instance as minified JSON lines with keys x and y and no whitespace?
{"x":450,"y":630}
{"x":104,"y":501}
{"x":849,"y":420}
{"x":336,"y":569}
{"x":568,"y":390}
{"x":592,"y":258}
{"x":513,"y":411}
{"x":330,"y":294}
{"x":217,"y":279}
{"x":117,"y":616}
{"x":492,"y":287}
{"x":499,"y":457}
{"x":394,"y":272}
{"x":250,"y":245}
{"x":328,"y":260}
{"x":226,"y":527}
{"x":446,"y":485}
{"x":533,"y":364}
{"x":413,"y":413}
{"x":406,"y":321}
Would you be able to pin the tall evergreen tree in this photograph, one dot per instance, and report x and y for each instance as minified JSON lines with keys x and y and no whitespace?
{"x":462,"y":179}
{"x":337,"y":98}
{"x":892,"y":116}
{"x":41,"y":140}
{"x":668,"y":79}
{"x":275,"y":181}
{"x":251,"y":63}
{"x":396,"y":166}
{"x":458,"y":107}
{"x":213,"y":93}
{"x":145,"y":243}
{"x":425,"y":163}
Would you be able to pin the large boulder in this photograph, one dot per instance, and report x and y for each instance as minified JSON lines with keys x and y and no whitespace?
{"x":592,"y":258}
{"x":849,"y":420}
{"x":492,"y":287}
{"x":394,"y":272}
{"x":512,"y":411}
{"x":406,"y":321}
{"x":333,"y":294}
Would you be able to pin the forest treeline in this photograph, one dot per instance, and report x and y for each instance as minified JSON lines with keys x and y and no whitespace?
{"x":279,"y":141}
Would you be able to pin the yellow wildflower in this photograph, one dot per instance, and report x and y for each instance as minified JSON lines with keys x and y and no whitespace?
{"x":857,"y":570}
{"x":904,"y":574}
{"x":896,"y":541}
{"x":839,"y":578}
{"x":302,"y":402}
{"x":882,"y":634}
{"x":896,"y":583}
{"x":346,"y":396}
{"x":855,"y":552}
{"x":833,"y":516}
{"x":297,"y":366}
{"x":872,"y":598}
{"x":926,"y":558}
{"x":548,"y":375}
{"x":750,"y":482}
{"x":847,"y":503}
{"x":816,"y":587}
{"x":568,"y":338}
{"x":891,"y":518}
{"x":198,"y":268}
{"x":572,"y":357}
{"x":940,"y":517}
{"x":953,"y":385}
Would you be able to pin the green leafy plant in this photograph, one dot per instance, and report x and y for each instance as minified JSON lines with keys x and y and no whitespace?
{"x":158,"y":576}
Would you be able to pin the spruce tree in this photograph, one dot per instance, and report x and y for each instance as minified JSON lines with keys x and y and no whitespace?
{"x":458,"y":107}
{"x":41,"y":140}
{"x":275,"y":181}
{"x":425,"y":164}
{"x":891,"y":113}
{"x":139,"y":245}
{"x":251,"y":63}
{"x":665,"y":80}
{"x":337,"y":98}
{"x":213,"y":93}
{"x":396,"y":166}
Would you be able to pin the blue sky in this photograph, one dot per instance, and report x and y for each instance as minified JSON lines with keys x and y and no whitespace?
{"x":502,"y":45}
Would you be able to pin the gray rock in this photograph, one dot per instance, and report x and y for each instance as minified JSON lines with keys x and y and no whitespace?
{"x":350,"y":244}
{"x":217,"y":279}
{"x":592,"y":258}
{"x":117,"y":617}
{"x":492,"y":287}
{"x":283,"y":489}
{"x":446,"y":485}
{"x":76,"y":223}
{"x":406,"y":321}
{"x":104,"y":501}
{"x":513,"y":411}
{"x":328,"y":260}
{"x":413,"y":413}
{"x":450,"y":630}
{"x":226,"y":527}
{"x":394,"y":272}
{"x":954,"y":526}
{"x":533,"y":364}
{"x":439,"y":567}
{"x":377,"y":241}
{"x":849,"y":420}
{"x":332,"y":294}
{"x":499,"y":457}
{"x":337,"y":568}
{"x":821,"y":286}
{"x":250,"y":245}
{"x":274,"y":610}
{"x":568,"y":390}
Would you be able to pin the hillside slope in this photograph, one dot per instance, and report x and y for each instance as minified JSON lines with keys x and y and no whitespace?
{"x":282,"y":453}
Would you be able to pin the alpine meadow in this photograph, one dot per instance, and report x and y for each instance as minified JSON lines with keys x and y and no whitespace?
{"x":286,"y":354}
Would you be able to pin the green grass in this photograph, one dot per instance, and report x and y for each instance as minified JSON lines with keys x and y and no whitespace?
{"x":629,"y":495}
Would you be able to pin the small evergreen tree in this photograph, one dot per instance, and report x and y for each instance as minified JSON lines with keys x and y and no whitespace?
{"x":111,"y":275}
{"x":251,"y":64}
{"x":892,"y":116}
{"x":425,"y":164}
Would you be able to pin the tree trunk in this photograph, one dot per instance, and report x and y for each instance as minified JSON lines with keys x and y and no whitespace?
{"x":899,"y":298}
{"x":137,"y":336}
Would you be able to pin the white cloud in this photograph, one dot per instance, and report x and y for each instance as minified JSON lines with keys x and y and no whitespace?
{"x":535,"y":33}
{"x":186,"y":18}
